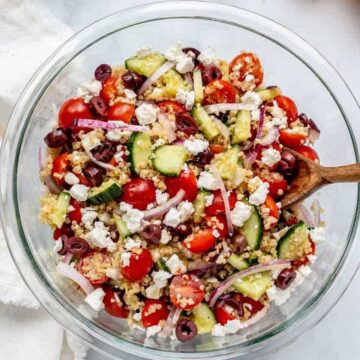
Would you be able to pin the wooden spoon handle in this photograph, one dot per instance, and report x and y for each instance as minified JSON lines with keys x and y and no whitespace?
{"x":347,"y":173}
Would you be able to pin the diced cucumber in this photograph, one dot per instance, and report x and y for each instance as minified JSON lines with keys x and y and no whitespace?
{"x":146,"y":65}
{"x":169,"y":159}
{"x":58,"y":215}
{"x":199,"y":206}
{"x":173,"y":82}
{"x":198,"y":86}
{"x":161,"y":264}
{"x":140,"y":150}
{"x":254,"y":286}
{"x":253,"y":229}
{"x":206,"y":125}
{"x":269,"y":93}
{"x":241,"y":130}
{"x":203,"y":318}
{"x":123,"y":230}
{"x":109,"y":190}
{"x":237,"y":262}
{"x":228,"y":163}
{"x":295,"y":243}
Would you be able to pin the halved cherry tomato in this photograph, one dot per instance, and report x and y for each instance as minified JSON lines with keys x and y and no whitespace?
{"x":139,"y":193}
{"x":83,"y":180}
{"x":94,"y":265}
{"x":222,"y":314}
{"x":290,"y":139}
{"x":217,"y":149}
{"x":140,"y":265}
{"x":114,"y":304}
{"x":60,"y":166}
{"x":153,"y":312}
{"x":186,"y":291}
{"x":186,"y":181}
{"x":64,"y":230}
{"x":109,"y":89}
{"x":288,"y":106}
{"x":217,"y":222}
{"x":219,"y":91}
{"x":277,"y":185}
{"x":75,"y":215}
{"x":308,"y":152}
{"x":121,"y":111}
{"x":200,"y":242}
{"x":256,"y":306}
{"x":273,"y":209}
{"x":72,"y":109}
{"x":172,"y":107}
{"x":217,"y":207}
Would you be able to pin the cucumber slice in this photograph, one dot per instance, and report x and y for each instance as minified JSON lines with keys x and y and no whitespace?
{"x":203,"y":318}
{"x":228,"y":163}
{"x":139,"y":147}
{"x":123,"y":230}
{"x":161,"y":264}
{"x":253,"y":229}
{"x":295,"y":243}
{"x":241,"y":130}
{"x":169,"y":159}
{"x":107,"y":191}
{"x":269,"y":93}
{"x":146,"y":65}
{"x":237,"y":262}
{"x":206,"y":125}
{"x":58,"y":215}
{"x":254,"y":286}
{"x":198,"y":86}
{"x":173,"y":82}
{"x":199,"y":206}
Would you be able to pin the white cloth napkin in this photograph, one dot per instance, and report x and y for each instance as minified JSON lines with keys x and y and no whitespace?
{"x":29,"y":33}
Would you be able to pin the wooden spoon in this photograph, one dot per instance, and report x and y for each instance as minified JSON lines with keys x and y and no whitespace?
{"x":312,"y":176}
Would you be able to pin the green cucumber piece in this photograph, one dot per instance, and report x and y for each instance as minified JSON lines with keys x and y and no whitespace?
{"x":228,"y":163}
{"x":198,"y":86}
{"x":58,"y":215}
{"x":161,"y":264}
{"x":254,"y":286}
{"x":269,"y":93}
{"x":123,"y":230}
{"x":199,"y":206}
{"x":206,"y":125}
{"x":169,"y":159}
{"x":241,"y":130}
{"x":203,"y":318}
{"x":140,"y":151}
{"x":238,"y":262}
{"x":146,"y":65}
{"x":253,"y":229}
{"x":294,"y":243}
{"x":109,"y":190}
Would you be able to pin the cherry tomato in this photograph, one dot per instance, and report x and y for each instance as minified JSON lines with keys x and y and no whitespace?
{"x":94,"y":265}
{"x":288,"y":106}
{"x":219,"y":91}
{"x":186,"y":291}
{"x":217,"y":149}
{"x":246,"y":64}
{"x":277,"y":186}
{"x":109,"y":89}
{"x":186,"y":181}
{"x":139,"y":265}
{"x":153,"y":312}
{"x":83,"y":180}
{"x":73,"y":109}
{"x":255,"y":307}
{"x":121,"y":111}
{"x":290,"y":139}
{"x":273,"y":210}
{"x":114,"y":304}
{"x":217,"y":207}
{"x":75,"y":215}
{"x":222,"y":314}
{"x":139,"y":193}
{"x":64,"y":230}
{"x":308,"y":152}
{"x":200,"y":242}
{"x":217,"y":223}
{"x":60,"y":166}
{"x":303,"y":261}
{"x":172,"y":107}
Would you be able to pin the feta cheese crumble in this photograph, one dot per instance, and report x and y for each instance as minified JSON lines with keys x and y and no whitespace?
{"x":152,"y":292}
{"x":132,"y":244}
{"x":258,"y":197}
{"x":160,"y":278}
{"x":71,"y":178}
{"x":231,"y":327}
{"x":209,"y":199}
{"x":207,"y":56}
{"x":132,"y":217}
{"x":185,"y":209}
{"x":183,"y":62}
{"x":185,"y":97}
{"x":95,"y":299}
{"x":130,"y":94}
{"x":89,"y":89}
{"x":125,"y":258}
{"x":240,"y":213}
{"x":100,"y":236}
{"x":317,"y":234}
{"x":172,"y":218}
{"x":146,"y":113}
{"x":175,"y":265}
{"x":58,"y":245}
{"x":88,"y":217}
{"x":270,"y":157}
{"x":161,"y":197}
{"x":79,"y":192}
{"x":165,"y":237}
{"x":152,"y":330}
{"x":207,"y":181}
{"x":251,"y":100}
{"x":196,"y":146}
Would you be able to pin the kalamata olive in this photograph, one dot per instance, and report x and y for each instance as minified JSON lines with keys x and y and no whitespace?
{"x":185,"y":330}
{"x":102,"y":72}
{"x":181,"y":230}
{"x":104,"y":152}
{"x":237,"y":306}
{"x":98,"y":106}
{"x":308,"y":122}
{"x":94,"y":174}
{"x":151,"y":233}
{"x":203,"y":158}
{"x":210,"y":73}
{"x":223,"y":116}
{"x":76,"y":245}
{"x":186,"y":124}
{"x":287,"y":164}
{"x":132,"y":80}
{"x":285,"y":278}
{"x":134,"y":121}
{"x":56,"y":138}
{"x":63,"y":239}
{"x":239,"y":243}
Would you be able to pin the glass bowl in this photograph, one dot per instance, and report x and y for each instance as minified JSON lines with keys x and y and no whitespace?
{"x":289,"y":62}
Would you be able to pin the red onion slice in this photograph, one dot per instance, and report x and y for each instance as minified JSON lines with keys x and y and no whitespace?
{"x":108,"y":125}
{"x":317,"y":211}
{"x":270,"y":137}
{"x":68,"y":257}
{"x":171,"y":321}
{"x":40,"y":159}
{"x":52,"y":186}
{"x":302,"y":213}
{"x":261,"y":122}
{"x":313,"y":135}
{"x":223,"y":107}
{"x":256,"y":318}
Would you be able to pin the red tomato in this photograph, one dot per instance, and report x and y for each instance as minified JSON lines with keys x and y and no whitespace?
{"x":308,"y":152}
{"x":288,"y":106}
{"x":256,"y":306}
{"x":139,"y":193}
{"x":217,"y":149}
{"x":64,"y":230}
{"x":94,"y":265}
{"x":200,"y":242}
{"x":303,"y":261}
{"x":277,"y":186}
{"x":273,"y":209}
{"x":139,"y":265}
{"x":222,"y":314}
{"x":186,"y":181}
{"x":219,"y":91}
{"x":60,"y":166}
{"x":247,"y":64}
{"x":121,"y":111}
{"x":290,"y":139}
{"x":172,"y":107}
{"x":75,"y":215}
{"x":83,"y":180}
{"x":218,"y":207}
{"x":153,"y":312}
{"x":109,"y":89}
{"x":73,"y":109}
{"x":114,"y":304}
{"x":186,"y":291}
{"x":217,"y":223}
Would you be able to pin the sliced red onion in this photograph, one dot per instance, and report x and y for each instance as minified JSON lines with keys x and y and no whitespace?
{"x":171,"y":321}
{"x":40,"y":159}
{"x":273,"y":265}
{"x":270,"y":137}
{"x":188,"y":79}
{"x":224,"y":130}
{"x":317,"y":211}
{"x":261,"y":122}
{"x":165,"y":67}
{"x":167,"y":125}
{"x":103,"y":165}
{"x":178,"y":142}
{"x":164,"y":208}
{"x":68,"y":257}
{"x":108,"y":125}
{"x":313,"y":135}
{"x":74,"y":275}
{"x":256,"y":318}
{"x":51,"y":184}
{"x":223,"y":107}
{"x":200,"y":268}
{"x":302,"y":213}
{"x":247,"y":145}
